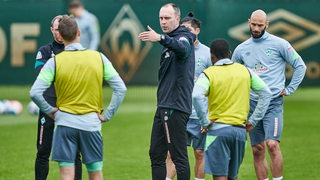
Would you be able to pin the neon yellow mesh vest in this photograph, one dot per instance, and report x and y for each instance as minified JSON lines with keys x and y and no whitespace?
{"x":228,"y":98}
{"x":78,"y":81}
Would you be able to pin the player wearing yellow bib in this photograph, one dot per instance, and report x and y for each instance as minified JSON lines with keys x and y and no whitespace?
{"x":227,"y":86}
{"x":78,"y":76}
{"x":45,"y":123}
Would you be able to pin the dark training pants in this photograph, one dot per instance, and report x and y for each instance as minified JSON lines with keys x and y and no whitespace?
{"x":169,"y":134}
{"x":44,"y":144}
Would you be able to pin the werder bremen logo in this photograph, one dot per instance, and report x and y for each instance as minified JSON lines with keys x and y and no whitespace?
{"x":300,"y":32}
{"x":121,"y":43}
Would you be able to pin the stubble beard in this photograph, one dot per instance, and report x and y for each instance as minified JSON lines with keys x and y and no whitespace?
{"x":258,"y":36}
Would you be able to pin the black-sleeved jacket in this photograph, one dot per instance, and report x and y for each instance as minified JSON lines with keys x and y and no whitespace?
{"x":176,"y":70}
{"x":44,"y":54}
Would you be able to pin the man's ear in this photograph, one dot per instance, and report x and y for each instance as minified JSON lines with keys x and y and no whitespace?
{"x":230,"y":54}
{"x":213,"y":59}
{"x":267,"y":24}
{"x":197,"y":30}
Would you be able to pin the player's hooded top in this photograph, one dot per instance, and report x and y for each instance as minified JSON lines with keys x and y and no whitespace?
{"x":267,"y":57}
{"x":176,"y":71}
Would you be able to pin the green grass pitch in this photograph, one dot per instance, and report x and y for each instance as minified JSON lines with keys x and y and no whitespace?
{"x":127,"y":136}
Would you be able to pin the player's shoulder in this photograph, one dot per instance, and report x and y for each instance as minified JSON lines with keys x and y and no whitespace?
{"x":204,"y":47}
{"x":275,"y":37}
{"x":204,"y":50}
{"x":247,"y":42}
{"x":183,"y":32}
{"x":44,"y":51}
{"x":276,"y":40}
{"x":90,"y":15}
{"x":239,"y":65}
{"x":187,"y":37}
{"x":244,"y":45}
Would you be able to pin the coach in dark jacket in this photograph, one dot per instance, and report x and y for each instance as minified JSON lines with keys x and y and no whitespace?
{"x":174,"y":96}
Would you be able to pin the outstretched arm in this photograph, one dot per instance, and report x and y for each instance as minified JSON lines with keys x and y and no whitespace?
{"x":180,"y":45}
{"x":150,"y":35}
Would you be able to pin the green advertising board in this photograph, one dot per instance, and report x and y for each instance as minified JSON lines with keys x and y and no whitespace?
{"x":25,"y":26}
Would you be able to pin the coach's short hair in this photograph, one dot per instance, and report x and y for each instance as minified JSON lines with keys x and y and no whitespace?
{"x":58,"y":17}
{"x":176,"y":8}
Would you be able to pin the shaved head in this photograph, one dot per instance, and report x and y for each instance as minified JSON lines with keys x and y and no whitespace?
{"x":259,"y":14}
{"x":258,"y":23}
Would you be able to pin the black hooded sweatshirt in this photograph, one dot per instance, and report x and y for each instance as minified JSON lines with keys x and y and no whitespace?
{"x":176,"y":72}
